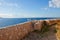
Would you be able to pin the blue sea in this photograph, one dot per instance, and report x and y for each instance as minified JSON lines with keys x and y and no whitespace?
{"x":12,"y":21}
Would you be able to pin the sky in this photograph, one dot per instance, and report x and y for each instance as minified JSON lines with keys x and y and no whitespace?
{"x":29,"y":8}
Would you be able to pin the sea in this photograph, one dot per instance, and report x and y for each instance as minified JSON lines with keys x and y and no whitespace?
{"x":4,"y":22}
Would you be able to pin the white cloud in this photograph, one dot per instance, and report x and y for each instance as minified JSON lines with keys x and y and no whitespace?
{"x":54,"y":3}
{"x":11,"y":4}
{"x":44,"y":8}
{"x":4,"y":3}
{"x":7,"y":15}
{"x":0,"y":3}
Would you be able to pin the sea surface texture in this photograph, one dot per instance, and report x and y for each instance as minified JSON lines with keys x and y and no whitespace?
{"x":12,"y":21}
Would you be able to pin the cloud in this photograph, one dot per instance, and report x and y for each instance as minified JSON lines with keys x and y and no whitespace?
{"x":7,"y":15}
{"x":4,"y":3}
{"x":46,"y":8}
{"x":0,"y":3}
{"x":54,"y":3}
{"x":12,"y":4}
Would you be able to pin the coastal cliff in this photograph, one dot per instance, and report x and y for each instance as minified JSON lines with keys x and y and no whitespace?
{"x":20,"y":31}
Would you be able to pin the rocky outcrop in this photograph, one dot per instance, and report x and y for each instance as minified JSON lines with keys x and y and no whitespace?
{"x":17,"y":32}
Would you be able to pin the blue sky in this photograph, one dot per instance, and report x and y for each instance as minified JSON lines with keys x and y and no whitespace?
{"x":29,"y":8}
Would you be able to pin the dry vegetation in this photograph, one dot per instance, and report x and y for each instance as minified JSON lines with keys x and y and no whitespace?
{"x":48,"y":32}
{"x":35,"y":30}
